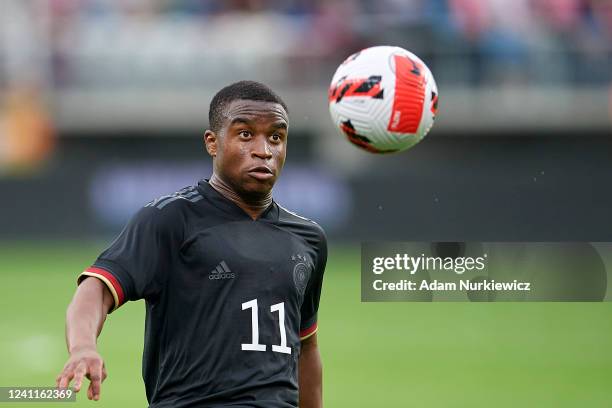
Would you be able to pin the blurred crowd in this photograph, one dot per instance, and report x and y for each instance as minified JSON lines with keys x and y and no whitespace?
{"x":190,"y":42}
{"x":117,"y":71}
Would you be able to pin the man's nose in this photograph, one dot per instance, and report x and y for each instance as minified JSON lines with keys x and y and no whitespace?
{"x":261,"y":147}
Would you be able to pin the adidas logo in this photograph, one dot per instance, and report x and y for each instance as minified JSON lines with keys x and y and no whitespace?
{"x":222,"y":271}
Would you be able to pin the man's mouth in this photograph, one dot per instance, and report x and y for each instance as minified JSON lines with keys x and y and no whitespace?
{"x":261,"y":172}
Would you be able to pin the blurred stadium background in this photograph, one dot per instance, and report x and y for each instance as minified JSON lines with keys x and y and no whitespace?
{"x":103,"y":104}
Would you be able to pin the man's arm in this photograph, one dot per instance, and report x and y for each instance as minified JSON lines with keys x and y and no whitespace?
{"x":310,"y":374}
{"x":84,"y":320}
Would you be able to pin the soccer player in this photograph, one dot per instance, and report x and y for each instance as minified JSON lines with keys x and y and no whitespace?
{"x":231,"y":279}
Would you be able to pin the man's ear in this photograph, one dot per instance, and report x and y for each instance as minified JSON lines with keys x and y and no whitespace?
{"x":211,"y":141}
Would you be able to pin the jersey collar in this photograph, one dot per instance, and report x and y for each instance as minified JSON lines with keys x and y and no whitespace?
{"x":219,"y":201}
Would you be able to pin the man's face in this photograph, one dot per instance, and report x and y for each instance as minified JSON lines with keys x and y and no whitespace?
{"x":250,"y":148}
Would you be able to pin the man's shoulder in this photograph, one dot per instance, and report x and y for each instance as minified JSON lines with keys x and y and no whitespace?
{"x":167,"y":211}
{"x":177,"y":200}
{"x":301,"y":223}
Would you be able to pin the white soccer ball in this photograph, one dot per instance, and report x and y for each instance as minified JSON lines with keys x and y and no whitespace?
{"x":383,"y":99}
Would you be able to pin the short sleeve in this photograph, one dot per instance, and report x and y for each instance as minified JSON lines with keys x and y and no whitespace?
{"x":134,"y":265}
{"x":312,"y":295}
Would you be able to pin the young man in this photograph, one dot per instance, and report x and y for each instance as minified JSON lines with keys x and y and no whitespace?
{"x":231,"y":280}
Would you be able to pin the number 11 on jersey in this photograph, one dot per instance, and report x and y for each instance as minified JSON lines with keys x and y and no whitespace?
{"x":255,"y":345}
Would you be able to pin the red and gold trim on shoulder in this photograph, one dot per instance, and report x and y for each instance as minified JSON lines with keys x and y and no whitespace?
{"x":109,"y":280}
{"x":306,"y":333}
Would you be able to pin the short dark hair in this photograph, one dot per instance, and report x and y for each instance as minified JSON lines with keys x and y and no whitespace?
{"x":249,"y":90}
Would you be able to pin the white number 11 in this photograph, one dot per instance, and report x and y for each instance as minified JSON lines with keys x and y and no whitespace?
{"x":255,"y":345}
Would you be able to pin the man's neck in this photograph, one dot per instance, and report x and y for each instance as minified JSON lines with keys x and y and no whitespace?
{"x":254,"y":207}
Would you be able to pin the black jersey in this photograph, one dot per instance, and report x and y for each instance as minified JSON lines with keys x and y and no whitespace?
{"x":228,"y":299}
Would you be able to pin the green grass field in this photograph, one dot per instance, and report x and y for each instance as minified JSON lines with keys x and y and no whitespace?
{"x":374,"y":354}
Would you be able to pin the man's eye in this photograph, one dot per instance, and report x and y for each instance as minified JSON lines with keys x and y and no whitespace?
{"x":276,"y":137}
{"x":244,"y":133}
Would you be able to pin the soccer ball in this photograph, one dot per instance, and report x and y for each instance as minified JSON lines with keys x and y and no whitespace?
{"x":383,"y":99}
